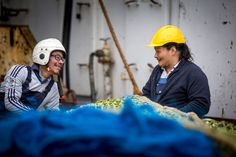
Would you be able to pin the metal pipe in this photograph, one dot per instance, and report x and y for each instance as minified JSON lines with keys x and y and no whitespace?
{"x":66,"y":38}
{"x":91,"y":78}
{"x":98,"y":53}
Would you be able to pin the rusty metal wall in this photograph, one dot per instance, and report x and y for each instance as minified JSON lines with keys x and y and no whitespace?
{"x":15,"y":47}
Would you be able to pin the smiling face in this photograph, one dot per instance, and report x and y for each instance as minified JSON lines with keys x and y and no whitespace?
{"x":166,"y":58}
{"x":56,"y":62}
{"x":162,"y":55}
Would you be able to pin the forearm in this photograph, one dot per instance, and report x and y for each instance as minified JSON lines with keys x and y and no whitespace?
{"x":199,"y":107}
{"x":12,"y":103}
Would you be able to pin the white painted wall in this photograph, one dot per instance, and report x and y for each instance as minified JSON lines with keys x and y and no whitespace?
{"x":80,"y":48}
{"x":209,"y":27}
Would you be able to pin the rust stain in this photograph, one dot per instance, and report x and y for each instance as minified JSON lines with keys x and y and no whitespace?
{"x":231,"y":44}
{"x":224,"y":6}
{"x":226,"y":22}
{"x":222,"y":112}
{"x":183,"y":8}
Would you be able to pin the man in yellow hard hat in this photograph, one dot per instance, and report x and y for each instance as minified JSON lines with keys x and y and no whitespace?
{"x":176,"y":81}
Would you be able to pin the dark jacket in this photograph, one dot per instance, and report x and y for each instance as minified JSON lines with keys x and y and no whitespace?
{"x":186,"y":89}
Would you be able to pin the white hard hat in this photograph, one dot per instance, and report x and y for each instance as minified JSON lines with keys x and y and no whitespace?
{"x":44,"y":48}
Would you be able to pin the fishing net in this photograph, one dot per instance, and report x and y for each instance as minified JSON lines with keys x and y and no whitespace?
{"x":223,"y":132}
{"x":129,"y":126}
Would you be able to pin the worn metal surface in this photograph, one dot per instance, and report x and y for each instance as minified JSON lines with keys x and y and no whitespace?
{"x":209,"y":27}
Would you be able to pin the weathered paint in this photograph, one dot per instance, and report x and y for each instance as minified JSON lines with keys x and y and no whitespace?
{"x":209,"y":27}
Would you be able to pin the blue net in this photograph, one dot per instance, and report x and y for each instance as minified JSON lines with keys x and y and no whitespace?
{"x":88,"y":131}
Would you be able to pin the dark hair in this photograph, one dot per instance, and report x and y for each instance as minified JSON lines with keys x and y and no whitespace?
{"x":182,"y":48}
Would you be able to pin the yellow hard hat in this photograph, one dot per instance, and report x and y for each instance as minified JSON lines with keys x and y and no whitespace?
{"x":166,"y":34}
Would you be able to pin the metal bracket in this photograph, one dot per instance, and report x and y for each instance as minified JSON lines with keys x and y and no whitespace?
{"x":81,"y":65}
{"x":150,"y":66}
{"x":131,"y":3}
{"x":156,"y":3}
{"x":80,"y":4}
{"x":134,"y":65}
{"x":9,"y":12}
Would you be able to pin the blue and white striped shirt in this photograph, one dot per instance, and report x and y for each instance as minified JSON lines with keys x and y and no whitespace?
{"x":162,"y":81}
{"x":12,"y":86}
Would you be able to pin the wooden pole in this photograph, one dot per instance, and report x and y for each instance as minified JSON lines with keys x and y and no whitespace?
{"x":135,"y":86}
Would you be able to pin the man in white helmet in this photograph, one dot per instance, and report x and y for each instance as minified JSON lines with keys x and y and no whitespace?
{"x":28,"y":88}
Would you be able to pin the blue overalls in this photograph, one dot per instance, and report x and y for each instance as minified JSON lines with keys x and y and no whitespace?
{"x":32,"y":99}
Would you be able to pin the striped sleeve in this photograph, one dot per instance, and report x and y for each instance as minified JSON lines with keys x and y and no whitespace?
{"x":14,"y":79}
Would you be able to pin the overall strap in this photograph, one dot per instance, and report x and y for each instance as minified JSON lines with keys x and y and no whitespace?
{"x":2,"y":105}
{"x":33,"y":99}
{"x":28,"y":79}
{"x":48,"y":88}
{"x":25,"y":85}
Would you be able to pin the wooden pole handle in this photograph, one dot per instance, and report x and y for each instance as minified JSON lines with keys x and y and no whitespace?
{"x":135,"y":86}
